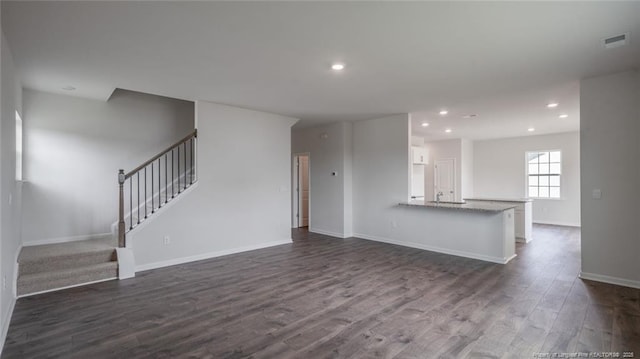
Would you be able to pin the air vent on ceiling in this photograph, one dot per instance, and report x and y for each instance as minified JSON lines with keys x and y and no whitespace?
{"x":616,"y":41}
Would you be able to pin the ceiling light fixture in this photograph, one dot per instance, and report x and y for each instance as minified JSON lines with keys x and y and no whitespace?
{"x":68,"y":88}
{"x":473,"y":115}
{"x":425,"y":124}
{"x":531,"y":129}
{"x":448,"y":130}
{"x":564,"y":115}
{"x":552,"y":105}
{"x":443,"y":112}
{"x":337,"y":67}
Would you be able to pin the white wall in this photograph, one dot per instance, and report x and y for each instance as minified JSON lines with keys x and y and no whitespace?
{"x":10,"y":241}
{"x":500,"y":171}
{"x":381,"y":162}
{"x":466,"y":168}
{"x":330,"y":149}
{"x":74,"y":148}
{"x":417,"y":141}
{"x":609,"y":132}
{"x":440,"y":150}
{"x":380,"y":173}
{"x":417,"y":171}
{"x":243,"y":196}
{"x":347,"y":144}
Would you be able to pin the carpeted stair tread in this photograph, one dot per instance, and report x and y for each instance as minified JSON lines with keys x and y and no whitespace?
{"x":44,"y":281}
{"x":68,"y":249}
{"x":53,"y":266}
{"x":75,"y":260}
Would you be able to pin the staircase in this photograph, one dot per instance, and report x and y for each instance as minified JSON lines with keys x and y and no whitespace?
{"x":55,"y":266}
{"x":150,"y":186}
{"x":142,"y":192}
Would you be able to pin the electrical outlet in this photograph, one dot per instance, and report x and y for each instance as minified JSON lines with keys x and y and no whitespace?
{"x":394,"y":224}
{"x":166,"y":240}
{"x":596,"y":194}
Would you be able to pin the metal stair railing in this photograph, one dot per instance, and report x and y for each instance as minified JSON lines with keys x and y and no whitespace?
{"x":154,"y":183}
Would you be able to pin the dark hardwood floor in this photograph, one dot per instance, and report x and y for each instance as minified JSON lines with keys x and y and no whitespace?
{"x":329,"y":298}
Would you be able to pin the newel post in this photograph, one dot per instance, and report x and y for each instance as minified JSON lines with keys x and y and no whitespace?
{"x":121,"y":229}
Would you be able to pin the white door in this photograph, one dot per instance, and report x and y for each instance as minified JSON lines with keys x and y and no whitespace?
{"x":303,"y":193}
{"x":445,"y":180}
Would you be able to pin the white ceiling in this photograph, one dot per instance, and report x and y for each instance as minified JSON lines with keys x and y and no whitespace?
{"x":501,"y":60}
{"x":508,"y":115}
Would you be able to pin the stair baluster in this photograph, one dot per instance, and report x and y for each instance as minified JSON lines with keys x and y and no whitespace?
{"x":187,"y":168}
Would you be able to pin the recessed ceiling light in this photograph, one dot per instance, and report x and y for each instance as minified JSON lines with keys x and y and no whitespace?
{"x":564,"y":115}
{"x":531,"y":129}
{"x":68,"y":88}
{"x":552,"y":105}
{"x":443,"y":112}
{"x":425,"y":124}
{"x":448,"y":130}
{"x":337,"y":67}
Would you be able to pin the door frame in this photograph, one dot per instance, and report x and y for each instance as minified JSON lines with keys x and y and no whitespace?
{"x":295,"y":178}
{"x":435,"y":177}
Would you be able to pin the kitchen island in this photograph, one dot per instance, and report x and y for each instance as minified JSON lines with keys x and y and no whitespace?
{"x":523,"y":214}
{"x":482,"y":231}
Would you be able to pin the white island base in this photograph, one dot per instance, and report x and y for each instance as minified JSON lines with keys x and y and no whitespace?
{"x":484,"y":232}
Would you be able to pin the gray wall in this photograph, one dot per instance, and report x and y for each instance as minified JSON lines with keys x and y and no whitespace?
{"x":500,"y":171}
{"x":381,"y":177}
{"x":10,"y":101}
{"x":610,"y":153}
{"x":242,"y":199}
{"x":330,"y":149}
{"x":74,"y":148}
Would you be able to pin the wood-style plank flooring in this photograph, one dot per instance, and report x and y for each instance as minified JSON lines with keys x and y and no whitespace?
{"x":322,"y":297}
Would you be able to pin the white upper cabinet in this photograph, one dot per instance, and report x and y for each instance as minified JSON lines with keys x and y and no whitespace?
{"x":419,"y":155}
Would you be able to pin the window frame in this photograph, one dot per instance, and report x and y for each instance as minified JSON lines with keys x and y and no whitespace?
{"x":560,"y":185}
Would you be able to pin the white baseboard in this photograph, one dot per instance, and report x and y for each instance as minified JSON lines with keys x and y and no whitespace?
{"x":5,"y":323}
{"x":453,"y":252}
{"x":523,"y":240}
{"x":329,"y":233}
{"x":509,"y":259}
{"x":611,"y":280}
{"x":67,"y":287}
{"x":199,"y":257}
{"x":555,"y":223}
{"x":65,"y":239}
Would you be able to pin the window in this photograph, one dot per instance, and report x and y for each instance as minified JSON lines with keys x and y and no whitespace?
{"x":543,"y":174}
{"x":18,"y":147}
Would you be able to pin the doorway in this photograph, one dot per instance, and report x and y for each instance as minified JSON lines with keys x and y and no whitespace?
{"x":444,"y":172}
{"x":301,"y":190}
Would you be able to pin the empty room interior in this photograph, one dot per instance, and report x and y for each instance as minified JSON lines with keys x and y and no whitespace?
{"x":319,"y":179}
